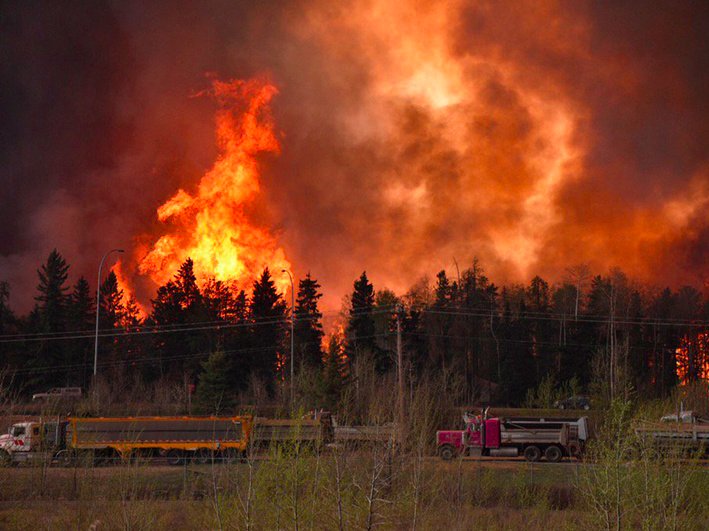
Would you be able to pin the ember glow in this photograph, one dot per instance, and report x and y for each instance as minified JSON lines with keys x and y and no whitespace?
{"x":211,"y":226}
{"x":693,"y":359}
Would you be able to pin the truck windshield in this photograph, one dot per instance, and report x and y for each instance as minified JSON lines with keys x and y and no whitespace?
{"x":17,"y":431}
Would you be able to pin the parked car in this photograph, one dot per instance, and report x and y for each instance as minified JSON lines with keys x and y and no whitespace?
{"x":574,"y":402}
{"x":59,"y":392}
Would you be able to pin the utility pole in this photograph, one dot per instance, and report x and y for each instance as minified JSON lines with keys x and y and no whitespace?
{"x":400,"y":373}
{"x":98,"y":305}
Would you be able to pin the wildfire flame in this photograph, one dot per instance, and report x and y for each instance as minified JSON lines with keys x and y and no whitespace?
{"x":692,"y":358}
{"x":210,"y":226}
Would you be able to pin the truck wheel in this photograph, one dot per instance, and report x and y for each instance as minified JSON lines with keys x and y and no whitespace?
{"x":5,"y":458}
{"x":553,"y":454}
{"x":231,"y":456}
{"x":447,"y":452}
{"x":532,"y":453}
{"x":174,"y":457}
{"x":203,"y":456}
{"x":65,"y":458}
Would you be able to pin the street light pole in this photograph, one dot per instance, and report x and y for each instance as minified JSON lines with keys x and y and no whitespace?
{"x":98,"y":303}
{"x":292,"y":337}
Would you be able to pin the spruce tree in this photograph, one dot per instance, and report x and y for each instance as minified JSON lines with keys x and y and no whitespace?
{"x":215,"y":393}
{"x":360,"y":327}
{"x":51,"y":318}
{"x":225,"y":302}
{"x":308,"y":326}
{"x":267,"y":311}
{"x":9,"y":355}
{"x":332,"y":374}
{"x":180,"y":302}
{"x":6,"y":316}
{"x":112,"y":307}
{"x":52,"y":298}
{"x":81,"y":314}
{"x":111,"y":310}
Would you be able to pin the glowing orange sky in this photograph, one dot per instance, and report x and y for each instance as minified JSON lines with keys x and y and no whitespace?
{"x":404,"y":135}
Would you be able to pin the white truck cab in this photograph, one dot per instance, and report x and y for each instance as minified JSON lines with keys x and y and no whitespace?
{"x":31,"y":440}
{"x":20,"y":437}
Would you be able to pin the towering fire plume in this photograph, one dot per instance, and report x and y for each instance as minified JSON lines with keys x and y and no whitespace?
{"x":211,"y":226}
{"x":535,"y":136}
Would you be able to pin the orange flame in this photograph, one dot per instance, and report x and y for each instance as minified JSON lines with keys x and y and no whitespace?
{"x":210,"y":226}
{"x":692,"y":358}
{"x":125,"y":287}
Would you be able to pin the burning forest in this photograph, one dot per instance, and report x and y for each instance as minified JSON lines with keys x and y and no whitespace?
{"x":531,"y":205}
{"x":290,"y":246}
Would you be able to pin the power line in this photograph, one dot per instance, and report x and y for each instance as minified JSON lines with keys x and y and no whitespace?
{"x":157,"y":360}
{"x":569,"y":319}
{"x":218,"y":322}
{"x":157,"y":329}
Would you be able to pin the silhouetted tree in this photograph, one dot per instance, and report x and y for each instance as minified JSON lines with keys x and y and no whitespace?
{"x":52,"y":317}
{"x":333,"y":373}
{"x":360,"y":327}
{"x":308,"y":323}
{"x":225,"y":302}
{"x":52,"y":298}
{"x":215,"y":392}
{"x":267,"y":311}
{"x":81,"y":313}
{"x":179,"y":303}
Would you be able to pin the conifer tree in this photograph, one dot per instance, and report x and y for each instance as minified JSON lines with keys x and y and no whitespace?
{"x":52,"y":298}
{"x":225,"y":302}
{"x":180,"y":302}
{"x":111,"y":310}
{"x":267,"y":311}
{"x":308,"y":326}
{"x":51,"y":317}
{"x":360,"y":328}
{"x":215,"y":393}
{"x":8,"y":325}
{"x":80,"y":317}
{"x":112,"y":307}
{"x":332,"y":374}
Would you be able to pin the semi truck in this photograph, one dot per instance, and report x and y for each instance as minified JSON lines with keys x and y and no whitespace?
{"x":175,"y":439}
{"x":532,"y":437}
{"x":681,"y":431}
{"x":100,"y":439}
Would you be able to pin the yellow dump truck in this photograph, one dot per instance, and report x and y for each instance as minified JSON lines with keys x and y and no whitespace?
{"x":102,"y":439}
{"x":177,"y":438}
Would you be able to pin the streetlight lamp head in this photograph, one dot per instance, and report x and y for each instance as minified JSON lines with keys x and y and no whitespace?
{"x":120,"y":251}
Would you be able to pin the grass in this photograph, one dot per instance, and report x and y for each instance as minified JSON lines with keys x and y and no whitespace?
{"x":291,"y":489}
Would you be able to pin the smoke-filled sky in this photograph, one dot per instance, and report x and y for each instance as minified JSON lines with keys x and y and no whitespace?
{"x":535,"y":135}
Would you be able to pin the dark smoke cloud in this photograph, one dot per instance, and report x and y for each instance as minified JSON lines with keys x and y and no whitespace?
{"x":99,"y":128}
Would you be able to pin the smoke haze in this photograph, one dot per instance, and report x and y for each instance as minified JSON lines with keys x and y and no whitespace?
{"x":533,"y":135}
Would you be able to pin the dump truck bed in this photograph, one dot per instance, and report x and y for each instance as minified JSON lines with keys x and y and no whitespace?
{"x":160,"y":432}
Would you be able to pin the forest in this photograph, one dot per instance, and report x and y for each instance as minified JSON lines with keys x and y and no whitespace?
{"x":605,"y":335}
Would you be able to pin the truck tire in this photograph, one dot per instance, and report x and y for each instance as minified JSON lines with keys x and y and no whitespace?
{"x":532,"y":453}
{"x":231,"y":456}
{"x":175,"y":457}
{"x":65,"y":458}
{"x":5,"y":458}
{"x":203,"y":456}
{"x":553,"y":454}
{"x":447,"y":452}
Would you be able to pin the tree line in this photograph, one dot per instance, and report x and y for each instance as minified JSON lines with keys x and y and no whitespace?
{"x":603,"y":334}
